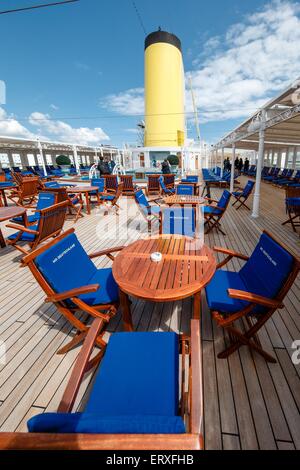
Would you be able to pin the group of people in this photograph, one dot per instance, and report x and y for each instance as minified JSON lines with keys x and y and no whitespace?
{"x":104,"y":167}
{"x":239,"y":164}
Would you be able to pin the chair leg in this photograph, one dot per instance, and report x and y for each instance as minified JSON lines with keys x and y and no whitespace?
{"x":78,"y":338}
{"x":248,"y":339}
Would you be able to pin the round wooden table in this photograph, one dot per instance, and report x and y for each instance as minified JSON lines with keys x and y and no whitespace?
{"x":186,"y":267}
{"x":186,"y":200}
{"x":7,"y":213}
{"x":84,"y":190}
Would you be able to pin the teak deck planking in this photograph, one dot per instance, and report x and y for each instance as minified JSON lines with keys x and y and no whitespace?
{"x":248,"y":403}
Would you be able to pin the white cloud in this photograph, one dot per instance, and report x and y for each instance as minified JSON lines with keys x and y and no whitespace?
{"x":129,"y":102}
{"x":260,"y":56}
{"x":62,"y":131}
{"x":10,"y":127}
{"x":236,"y":74}
{"x":82,"y":66}
{"x":54,"y":107}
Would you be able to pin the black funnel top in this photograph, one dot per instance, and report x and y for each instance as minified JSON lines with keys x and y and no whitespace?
{"x":162,"y":36}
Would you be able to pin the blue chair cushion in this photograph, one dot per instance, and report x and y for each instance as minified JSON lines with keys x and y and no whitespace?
{"x":58,"y":264}
{"x":237,"y":193}
{"x":31,"y":219}
{"x":90,"y":423}
{"x":267,"y":268}
{"x":107,"y":197}
{"x":25,"y":237}
{"x":137,"y":376}
{"x":108,"y":292}
{"x":216,"y":292}
{"x":185,"y":190}
{"x":179,"y":221}
{"x":211,"y":210}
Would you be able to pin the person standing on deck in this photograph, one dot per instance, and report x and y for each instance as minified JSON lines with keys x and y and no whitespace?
{"x":165,"y":167}
{"x":241,"y":164}
{"x":246,"y":166}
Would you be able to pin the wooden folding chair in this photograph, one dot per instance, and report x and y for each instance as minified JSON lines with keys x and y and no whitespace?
{"x":149,"y":212}
{"x":49,"y":224}
{"x":214,"y":212}
{"x":111,"y":183}
{"x":72,"y":282}
{"x":292,"y":202}
{"x":112,"y":198}
{"x":26,"y":191}
{"x":75,"y":202}
{"x":153,"y":186}
{"x":243,"y":194}
{"x":133,"y":404}
{"x":128,"y":186}
{"x":253,"y":294}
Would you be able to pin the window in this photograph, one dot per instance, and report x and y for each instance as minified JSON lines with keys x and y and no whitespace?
{"x":297,"y":165}
{"x":31,"y":159}
{"x":4,"y":160}
{"x":283,"y":159}
{"x":290,"y":158}
{"x":17,"y":159}
{"x":49,"y":159}
{"x":83,"y":159}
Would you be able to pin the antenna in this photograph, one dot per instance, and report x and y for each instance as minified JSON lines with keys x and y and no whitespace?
{"x":195,"y":111}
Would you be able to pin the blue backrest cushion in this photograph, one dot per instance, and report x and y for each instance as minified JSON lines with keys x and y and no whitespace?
{"x":66,"y":265}
{"x":100,"y":182}
{"x":185,"y":190}
{"x":248,"y":188}
{"x":45,"y":200}
{"x":267,"y":268}
{"x":139,"y":375}
{"x":91,"y":423}
{"x":52,"y":184}
{"x":192,"y":178}
{"x":162,"y":182}
{"x":224,"y":199}
{"x":141,"y":198}
{"x":179,"y":221}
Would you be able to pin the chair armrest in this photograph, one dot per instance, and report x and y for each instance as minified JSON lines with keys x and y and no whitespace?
{"x":196,"y":380}
{"x":68,"y":294}
{"x":232,"y":253}
{"x":255,"y":299}
{"x":79,"y":370}
{"x":22,"y":228}
{"x":210,"y":199}
{"x":107,"y":252}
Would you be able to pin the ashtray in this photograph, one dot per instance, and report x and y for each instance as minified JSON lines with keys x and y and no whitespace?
{"x":156,"y":257}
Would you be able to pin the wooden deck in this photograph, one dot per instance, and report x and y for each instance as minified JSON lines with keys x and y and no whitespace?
{"x":249,"y":404}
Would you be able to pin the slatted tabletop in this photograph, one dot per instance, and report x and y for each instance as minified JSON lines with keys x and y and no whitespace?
{"x":84,"y":190}
{"x":177,"y":199}
{"x":7,"y":213}
{"x":186,"y":267}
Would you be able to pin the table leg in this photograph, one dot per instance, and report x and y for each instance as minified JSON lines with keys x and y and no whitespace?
{"x":126,"y":313}
{"x":4,"y":197}
{"x":197,"y":306}
{"x":87,"y":200}
{"x":2,"y":240}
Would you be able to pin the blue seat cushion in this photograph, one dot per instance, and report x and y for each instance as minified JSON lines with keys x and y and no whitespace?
{"x":25,"y":237}
{"x":91,"y":423}
{"x":216,"y":292}
{"x":107,"y":197}
{"x":155,"y":210}
{"x":138,"y":376}
{"x":31,"y":219}
{"x":211,"y":210}
{"x":237,"y":193}
{"x":108,"y":291}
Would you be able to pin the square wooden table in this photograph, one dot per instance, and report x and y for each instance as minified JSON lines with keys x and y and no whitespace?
{"x":186,"y":267}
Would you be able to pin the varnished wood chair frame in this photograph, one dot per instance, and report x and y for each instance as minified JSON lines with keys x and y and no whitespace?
{"x":59,"y":300}
{"x":128,"y":186}
{"x":293,"y":212}
{"x":153,"y":186}
{"x":45,"y":231}
{"x":26,"y":191}
{"x":112,"y":202}
{"x":241,"y":199}
{"x":149,"y":217}
{"x":191,"y":407}
{"x":253,"y":323}
{"x":213,"y":220}
{"x":64,"y":196}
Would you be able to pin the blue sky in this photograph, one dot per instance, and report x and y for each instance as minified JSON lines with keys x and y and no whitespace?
{"x":75,"y":72}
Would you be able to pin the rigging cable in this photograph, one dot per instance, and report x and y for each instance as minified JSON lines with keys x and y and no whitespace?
{"x":33,"y":7}
{"x":139,"y":17}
